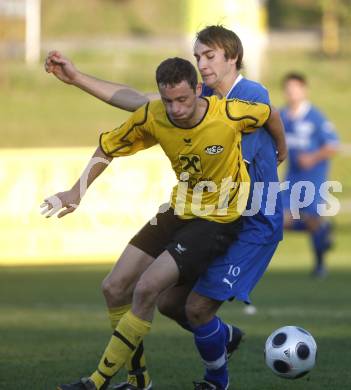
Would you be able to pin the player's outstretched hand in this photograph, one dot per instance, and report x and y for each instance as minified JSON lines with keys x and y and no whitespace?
{"x":61,"y":67}
{"x":62,"y":203}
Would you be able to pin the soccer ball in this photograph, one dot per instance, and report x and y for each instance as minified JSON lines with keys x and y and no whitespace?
{"x":290,"y":352}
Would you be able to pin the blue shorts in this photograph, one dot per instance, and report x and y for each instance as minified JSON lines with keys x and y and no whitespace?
{"x":235,"y":274}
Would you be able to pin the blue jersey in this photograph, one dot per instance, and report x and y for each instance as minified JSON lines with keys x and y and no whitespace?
{"x":308,"y":132}
{"x":259,"y":152}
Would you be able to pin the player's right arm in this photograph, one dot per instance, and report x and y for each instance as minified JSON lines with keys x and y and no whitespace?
{"x":118,"y":95}
{"x":66,"y":202}
{"x":131,"y":137}
{"x":125,"y":140}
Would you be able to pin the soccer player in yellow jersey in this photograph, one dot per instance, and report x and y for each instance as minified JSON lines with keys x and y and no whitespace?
{"x":201,"y":137}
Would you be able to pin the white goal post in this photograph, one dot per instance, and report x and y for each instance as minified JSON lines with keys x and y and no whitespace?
{"x":30,"y":10}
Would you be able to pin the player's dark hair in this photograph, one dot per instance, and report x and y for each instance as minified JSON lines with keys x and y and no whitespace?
{"x":294,"y":76}
{"x":219,"y":36}
{"x":175,"y":70}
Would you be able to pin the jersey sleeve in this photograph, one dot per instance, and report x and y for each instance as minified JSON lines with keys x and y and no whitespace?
{"x":249,"y":115}
{"x":131,"y":137}
{"x":327,"y":133}
{"x":254,"y":92}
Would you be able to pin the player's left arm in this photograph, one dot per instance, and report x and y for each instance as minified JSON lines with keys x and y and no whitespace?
{"x":329,"y":145}
{"x":309,"y":160}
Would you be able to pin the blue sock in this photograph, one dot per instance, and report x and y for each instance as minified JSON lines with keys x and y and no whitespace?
{"x":321,"y":242}
{"x":210,"y":340}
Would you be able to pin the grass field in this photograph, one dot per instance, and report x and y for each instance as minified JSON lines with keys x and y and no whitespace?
{"x":53,"y":325}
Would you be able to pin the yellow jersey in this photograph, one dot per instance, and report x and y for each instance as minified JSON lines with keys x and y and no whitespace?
{"x":213,"y":182}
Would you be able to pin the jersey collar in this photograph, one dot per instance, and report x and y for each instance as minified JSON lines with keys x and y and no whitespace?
{"x":302,"y":111}
{"x":236,"y":81}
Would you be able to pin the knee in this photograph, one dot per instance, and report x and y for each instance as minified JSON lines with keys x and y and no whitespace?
{"x":197,"y":314}
{"x":115,"y":291}
{"x":145,"y":291}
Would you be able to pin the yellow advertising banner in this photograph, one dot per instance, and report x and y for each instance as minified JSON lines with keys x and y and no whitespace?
{"x":247,"y":18}
{"x":235,"y":14}
{"x":115,"y":207}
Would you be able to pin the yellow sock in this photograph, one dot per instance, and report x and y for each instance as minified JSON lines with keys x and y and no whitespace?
{"x":128,"y":334}
{"x":136,"y":364}
{"x":137,"y":372}
{"x":116,"y":313}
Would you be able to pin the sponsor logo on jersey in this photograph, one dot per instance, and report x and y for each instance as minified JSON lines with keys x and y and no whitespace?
{"x":190,"y":163}
{"x":214,"y":149}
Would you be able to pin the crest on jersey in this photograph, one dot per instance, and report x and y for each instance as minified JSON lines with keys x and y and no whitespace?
{"x":214,"y":149}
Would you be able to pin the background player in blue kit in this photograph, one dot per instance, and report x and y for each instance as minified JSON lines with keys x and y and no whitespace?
{"x":219,"y":55}
{"x":312,"y":141}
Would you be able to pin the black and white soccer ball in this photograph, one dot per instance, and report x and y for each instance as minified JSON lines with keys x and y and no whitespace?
{"x":290,"y":352}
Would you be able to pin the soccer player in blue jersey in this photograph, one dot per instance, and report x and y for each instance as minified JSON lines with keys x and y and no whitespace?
{"x":219,"y":53}
{"x":312,"y":141}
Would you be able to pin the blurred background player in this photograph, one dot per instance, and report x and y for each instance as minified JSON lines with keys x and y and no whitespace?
{"x":312,"y":142}
{"x":219,"y":55}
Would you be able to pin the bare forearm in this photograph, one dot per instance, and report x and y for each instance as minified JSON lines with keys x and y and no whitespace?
{"x":275,"y":127}
{"x":118,"y":95}
{"x":63,"y":203}
{"x":325,"y":153}
{"x":97,"y":164}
